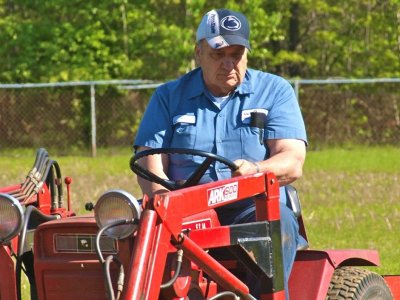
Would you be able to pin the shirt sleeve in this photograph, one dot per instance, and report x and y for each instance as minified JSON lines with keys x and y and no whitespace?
{"x":155,"y":127}
{"x":284,"y":120}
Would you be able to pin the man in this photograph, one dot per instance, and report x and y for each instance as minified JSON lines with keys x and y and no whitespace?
{"x":247,"y":116}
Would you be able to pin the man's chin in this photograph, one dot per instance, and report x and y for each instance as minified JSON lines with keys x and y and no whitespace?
{"x":231,"y":84}
{"x":231,"y":81}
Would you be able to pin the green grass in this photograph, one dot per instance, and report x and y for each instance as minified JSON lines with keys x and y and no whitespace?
{"x":355,"y":159}
{"x":90,"y":176}
{"x":350,"y":197}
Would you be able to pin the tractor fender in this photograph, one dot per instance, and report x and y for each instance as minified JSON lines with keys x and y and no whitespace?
{"x":353,"y":257}
{"x":313,"y":269}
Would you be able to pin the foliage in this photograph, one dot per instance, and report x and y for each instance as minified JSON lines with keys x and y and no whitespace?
{"x":68,"y":40}
{"x":336,"y":38}
{"x":71,"y":40}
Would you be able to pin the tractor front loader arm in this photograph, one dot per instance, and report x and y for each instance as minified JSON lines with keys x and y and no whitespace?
{"x":160,"y":228}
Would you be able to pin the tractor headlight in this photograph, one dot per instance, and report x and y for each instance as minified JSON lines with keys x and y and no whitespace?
{"x":117,"y":205}
{"x":11,"y":216}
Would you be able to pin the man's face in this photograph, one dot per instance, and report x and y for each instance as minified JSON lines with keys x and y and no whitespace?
{"x":223,"y":69}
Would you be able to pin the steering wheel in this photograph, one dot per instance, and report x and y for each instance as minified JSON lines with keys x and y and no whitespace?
{"x":176,"y":185}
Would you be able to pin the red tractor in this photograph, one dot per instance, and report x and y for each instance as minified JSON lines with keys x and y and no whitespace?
{"x":167,"y":247}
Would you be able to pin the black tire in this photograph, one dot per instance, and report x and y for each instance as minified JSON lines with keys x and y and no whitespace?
{"x":350,"y":283}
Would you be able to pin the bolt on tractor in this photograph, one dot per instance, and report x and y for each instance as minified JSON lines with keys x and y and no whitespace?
{"x":171,"y":246}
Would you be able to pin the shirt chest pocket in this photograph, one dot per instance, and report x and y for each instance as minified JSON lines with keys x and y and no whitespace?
{"x":184,"y":136}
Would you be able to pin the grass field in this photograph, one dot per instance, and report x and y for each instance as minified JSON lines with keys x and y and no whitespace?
{"x":350,"y":197}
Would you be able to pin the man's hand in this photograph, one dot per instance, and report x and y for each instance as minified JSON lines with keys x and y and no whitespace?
{"x":245,"y":167}
{"x":286,"y":161}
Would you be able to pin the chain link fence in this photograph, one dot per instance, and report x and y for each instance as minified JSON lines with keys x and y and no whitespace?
{"x":81,"y":117}
{"x":346,"y":111}
{"x":71,"y":118}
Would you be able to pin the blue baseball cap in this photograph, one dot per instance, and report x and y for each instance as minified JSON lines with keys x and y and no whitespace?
{"x":224,"y":27}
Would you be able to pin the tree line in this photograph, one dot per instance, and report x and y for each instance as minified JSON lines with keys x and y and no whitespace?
{"x":72,"y":40}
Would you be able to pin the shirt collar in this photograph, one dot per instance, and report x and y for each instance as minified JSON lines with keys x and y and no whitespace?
{"x":245,"y":87}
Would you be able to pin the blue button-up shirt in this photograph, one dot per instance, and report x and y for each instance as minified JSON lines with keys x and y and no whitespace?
{"x":183,"y":114}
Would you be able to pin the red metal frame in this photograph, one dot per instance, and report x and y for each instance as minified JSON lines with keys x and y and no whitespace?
{"x":167,"y":224}
{"x":8,"y":289}
{"x":393,"y":281}
{"x":42,"y":201}
{"x":163,"y":218}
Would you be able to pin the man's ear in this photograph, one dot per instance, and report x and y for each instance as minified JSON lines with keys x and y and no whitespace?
{"x":197,"y":50}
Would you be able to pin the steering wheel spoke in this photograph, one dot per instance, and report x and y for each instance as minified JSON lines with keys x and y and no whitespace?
{"x":196,"y":176}
{"x":146,"y":174}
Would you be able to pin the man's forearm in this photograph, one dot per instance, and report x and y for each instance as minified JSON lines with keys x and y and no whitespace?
{"x":156,"y":164}
{"x":286,"y":161}
{"x":287,"y":168}
{"x":150,"y":188}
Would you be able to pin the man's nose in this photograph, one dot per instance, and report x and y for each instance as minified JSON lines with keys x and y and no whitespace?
{"x":228,"y":62}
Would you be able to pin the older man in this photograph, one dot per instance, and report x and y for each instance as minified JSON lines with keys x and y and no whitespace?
{"x":212,"y":108}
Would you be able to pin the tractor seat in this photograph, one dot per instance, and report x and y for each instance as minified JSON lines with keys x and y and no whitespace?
{"x":293,"y":202}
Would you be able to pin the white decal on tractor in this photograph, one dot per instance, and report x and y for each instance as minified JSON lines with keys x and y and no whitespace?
{"x":223,"y":193}
{"x":198,"y":224}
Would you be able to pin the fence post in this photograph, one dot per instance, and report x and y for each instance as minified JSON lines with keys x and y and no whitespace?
{"x":93,"y":118}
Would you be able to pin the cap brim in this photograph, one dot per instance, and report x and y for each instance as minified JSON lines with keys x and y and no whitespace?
{"x":228,"y":40}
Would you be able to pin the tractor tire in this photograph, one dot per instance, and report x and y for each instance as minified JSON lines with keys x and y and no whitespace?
{"x":350,"y":283}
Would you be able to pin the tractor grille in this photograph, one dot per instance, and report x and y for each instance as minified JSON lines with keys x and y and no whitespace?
{"x":83,"y":243}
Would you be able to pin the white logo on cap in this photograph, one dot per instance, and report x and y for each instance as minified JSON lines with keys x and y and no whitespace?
{"x":231,"y":23}
{"x":212,"y":23}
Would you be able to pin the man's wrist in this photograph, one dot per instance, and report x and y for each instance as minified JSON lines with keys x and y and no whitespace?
{"x":257,"y":167}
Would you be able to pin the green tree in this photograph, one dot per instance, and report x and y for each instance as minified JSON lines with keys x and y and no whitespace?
{"x":68,"y":40}
{"x":356,"y":38}
{"x":65,"y":40}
